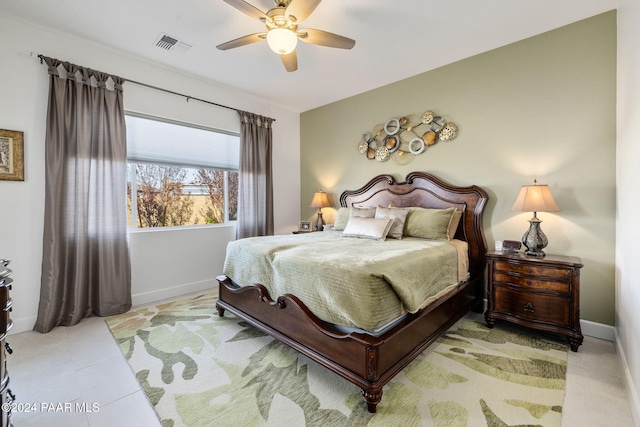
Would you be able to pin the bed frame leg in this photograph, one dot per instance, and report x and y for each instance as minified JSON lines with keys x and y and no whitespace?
{"x":372,"y":399}
{"x":220,"y":310}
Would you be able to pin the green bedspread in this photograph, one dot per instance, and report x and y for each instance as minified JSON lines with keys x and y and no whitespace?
{"x":348,"y":281}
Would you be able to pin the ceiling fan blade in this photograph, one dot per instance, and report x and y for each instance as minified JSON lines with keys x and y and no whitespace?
{"x":248,"y":9}
{"x":290,"y":61}
{"x":324,"y":38}
{"x":301,"y":9}
{"x":242,"y":41}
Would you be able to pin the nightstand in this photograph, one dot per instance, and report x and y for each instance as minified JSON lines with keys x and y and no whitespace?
{"x":539,"y":293}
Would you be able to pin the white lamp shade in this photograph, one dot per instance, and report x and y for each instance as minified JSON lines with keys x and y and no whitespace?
{"x":282,"y":41}
{"x":535,"y":198}
{"x":320,"y":200}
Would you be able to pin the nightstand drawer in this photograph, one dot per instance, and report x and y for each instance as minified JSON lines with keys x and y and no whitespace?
{"x":532,"y":306}
{"x":534,"y":270}
{"x":531,"y":283}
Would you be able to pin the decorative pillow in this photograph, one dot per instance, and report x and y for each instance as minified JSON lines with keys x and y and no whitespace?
{"x":363,"y":212}
{"x":453,"y":226}
{"x":367,"y":228}
{"x":342,"y":217}
{"x":398,"y":215}
{"x":428,"y":223}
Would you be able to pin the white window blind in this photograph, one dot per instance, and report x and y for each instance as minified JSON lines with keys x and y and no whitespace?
{"x":170,"y":143}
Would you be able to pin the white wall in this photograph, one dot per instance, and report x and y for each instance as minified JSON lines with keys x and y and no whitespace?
{"x":166,"y":262}
{"x":628,"y":202}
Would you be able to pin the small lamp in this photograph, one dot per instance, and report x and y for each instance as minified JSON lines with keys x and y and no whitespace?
{"x":535,"y":198}
{"x":320,"y":200}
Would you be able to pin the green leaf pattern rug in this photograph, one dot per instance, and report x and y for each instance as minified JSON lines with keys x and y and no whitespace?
{"x":198,"y":369}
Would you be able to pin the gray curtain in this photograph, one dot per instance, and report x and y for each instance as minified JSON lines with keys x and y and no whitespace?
{"x":255,"y":192}
{"x":85,"y":261}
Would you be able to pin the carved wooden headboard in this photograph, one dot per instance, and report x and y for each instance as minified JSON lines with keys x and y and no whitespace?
{"x":425,"y":190}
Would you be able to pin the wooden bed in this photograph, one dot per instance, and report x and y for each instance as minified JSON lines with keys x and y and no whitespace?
{"x":368,"y":361}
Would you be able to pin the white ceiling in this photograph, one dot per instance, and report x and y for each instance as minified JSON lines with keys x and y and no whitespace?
{"x":394,"y":39}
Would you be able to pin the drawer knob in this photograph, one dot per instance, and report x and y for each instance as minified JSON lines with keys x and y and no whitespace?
{"x":529,"y":307}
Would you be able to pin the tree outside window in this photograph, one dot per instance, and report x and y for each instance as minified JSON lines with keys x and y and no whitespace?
{"x":169,"y":196}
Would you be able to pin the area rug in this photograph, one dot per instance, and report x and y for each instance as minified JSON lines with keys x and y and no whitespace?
{"x":198,"y":369}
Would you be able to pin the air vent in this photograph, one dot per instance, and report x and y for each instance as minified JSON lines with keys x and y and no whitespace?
{"x":170,"y":43}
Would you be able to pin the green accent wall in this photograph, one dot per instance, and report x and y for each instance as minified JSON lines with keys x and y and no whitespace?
{"x":542,"y":108}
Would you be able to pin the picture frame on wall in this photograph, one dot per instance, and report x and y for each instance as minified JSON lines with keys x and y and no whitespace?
{"x":11,"y":155}
{"x":304,"y":226}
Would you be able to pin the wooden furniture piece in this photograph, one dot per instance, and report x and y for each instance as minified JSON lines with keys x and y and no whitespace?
{"x":6,"y":396}
{"x":540,"y":293}
{"x":368,"y":361}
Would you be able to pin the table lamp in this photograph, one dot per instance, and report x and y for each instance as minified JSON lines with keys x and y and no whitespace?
{"x":320,"y":200}
{"x":535,"y":198}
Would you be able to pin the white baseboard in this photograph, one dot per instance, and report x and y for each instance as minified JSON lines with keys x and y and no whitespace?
{"x":174,"y":291}
{"x":634,"y":400}
{"x":598,"y":330}
{"x":23,"y":324}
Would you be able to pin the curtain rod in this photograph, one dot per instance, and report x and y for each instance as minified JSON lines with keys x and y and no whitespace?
{"x":188,"y":97}
{"x":179,"y":94}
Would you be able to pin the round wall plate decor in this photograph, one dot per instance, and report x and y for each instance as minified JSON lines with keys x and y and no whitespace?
{"x":403,"y":138}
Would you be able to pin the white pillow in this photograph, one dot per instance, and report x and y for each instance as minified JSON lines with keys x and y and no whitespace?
{"x":342,"y":217}
{"x":398,"y":215}
{"x":362,"y":212}
{"x":367,"y":228}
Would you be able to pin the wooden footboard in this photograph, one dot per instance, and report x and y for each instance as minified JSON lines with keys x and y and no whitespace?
{"x":366,"y":361}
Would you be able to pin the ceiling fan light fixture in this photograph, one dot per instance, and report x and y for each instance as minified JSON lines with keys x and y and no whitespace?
{"x":282,"y":41}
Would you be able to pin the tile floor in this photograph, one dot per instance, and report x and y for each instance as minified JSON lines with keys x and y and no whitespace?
{"x":77,"y":376}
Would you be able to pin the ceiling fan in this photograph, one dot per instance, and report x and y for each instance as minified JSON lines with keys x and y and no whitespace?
{"x":282,"y":29}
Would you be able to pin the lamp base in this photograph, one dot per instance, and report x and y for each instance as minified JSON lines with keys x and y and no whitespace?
{"x":534,"y":239}
{"x":535,"y":253}
{"x":319,"y":222}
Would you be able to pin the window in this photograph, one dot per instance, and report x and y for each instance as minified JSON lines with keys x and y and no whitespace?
{"x":180,"y":174}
